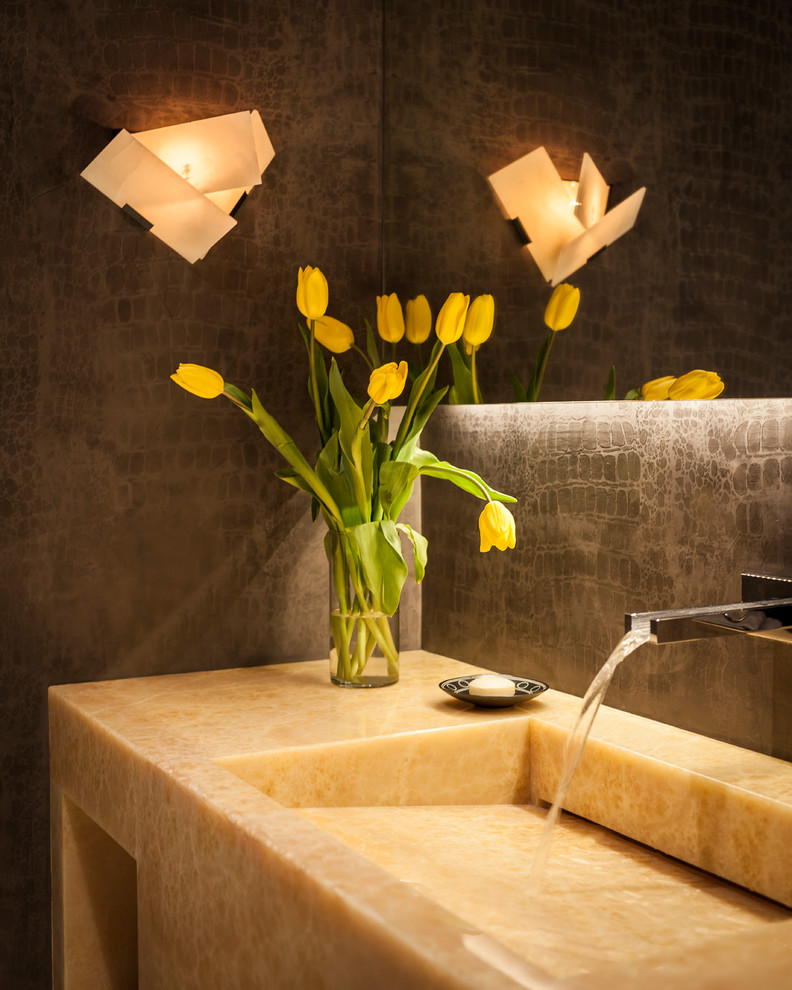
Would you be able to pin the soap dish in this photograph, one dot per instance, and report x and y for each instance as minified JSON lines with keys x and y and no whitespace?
{"x":524,"y":690}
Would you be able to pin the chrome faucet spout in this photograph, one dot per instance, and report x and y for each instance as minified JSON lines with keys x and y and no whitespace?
{"x":768,"y":616}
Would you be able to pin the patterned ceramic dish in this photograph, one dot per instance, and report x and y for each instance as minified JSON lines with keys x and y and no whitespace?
{"x":524,"y":690}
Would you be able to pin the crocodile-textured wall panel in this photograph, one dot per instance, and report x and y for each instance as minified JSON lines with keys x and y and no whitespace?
{"x":692,"y":100}
{"x":622,"y":507}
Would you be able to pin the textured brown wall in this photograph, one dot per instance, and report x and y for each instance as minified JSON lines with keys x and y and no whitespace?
{"x":622,"y":507}
{"x":142,"y":529}
{"x":692,"y":100}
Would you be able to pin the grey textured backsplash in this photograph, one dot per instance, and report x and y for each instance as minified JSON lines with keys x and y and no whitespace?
{"x":622,"y":507}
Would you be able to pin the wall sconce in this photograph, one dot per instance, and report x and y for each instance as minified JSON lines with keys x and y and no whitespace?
{"x":563,"y":223}
{"x":184,"y":181}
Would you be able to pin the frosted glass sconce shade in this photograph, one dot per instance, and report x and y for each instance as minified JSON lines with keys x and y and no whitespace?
{"x":565,"y":222}
{"x":183,"y":181}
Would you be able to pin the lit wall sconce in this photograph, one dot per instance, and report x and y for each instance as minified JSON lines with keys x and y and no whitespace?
{"x":564,"y":223}
{"x":184,"y":181}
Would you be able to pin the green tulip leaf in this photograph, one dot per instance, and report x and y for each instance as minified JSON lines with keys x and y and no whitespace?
{"x":355,"y":443}
{"x":463,"y":377}
{"x":396,"y":480}
{"x":349,"y":411}
{"x":424,"y":383}
{"x":420,"y":394}
{"x":238,"y":396}
{"x":425,"y":410}
{"x":468,"y":481}
{"x":420,"y":547}
{"x":320,"y":401}
{"x":331,"y":471}
{"x":289,"y":450}
{"x":384,"y":568}
{"x":291,"y":477}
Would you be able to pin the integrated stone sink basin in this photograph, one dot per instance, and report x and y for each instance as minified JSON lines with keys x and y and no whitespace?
{"x":458,"y":813}
{"x":275,"y":831}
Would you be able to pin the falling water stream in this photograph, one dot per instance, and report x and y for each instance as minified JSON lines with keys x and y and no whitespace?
{"x":577,"y":741}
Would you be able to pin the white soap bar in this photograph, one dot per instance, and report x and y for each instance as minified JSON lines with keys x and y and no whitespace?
{"x":491,"y":684}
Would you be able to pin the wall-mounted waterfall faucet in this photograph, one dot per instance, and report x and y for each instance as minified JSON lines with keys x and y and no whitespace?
{"x":766,"y":610}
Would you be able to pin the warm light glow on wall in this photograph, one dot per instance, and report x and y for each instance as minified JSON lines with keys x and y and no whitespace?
{"x":183,"y":181}
{"x":565,"y":222}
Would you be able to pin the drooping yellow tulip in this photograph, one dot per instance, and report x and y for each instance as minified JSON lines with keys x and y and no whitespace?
{"x":419,"y":320}
{"x":561,"y":309}
{"x":496,"y":527}
{"x":333,"y":334}
{"x":205,"y":382}
{"x":451,"y":318}
{"x":657,"y":388}
{"x":479,"y":321}
{"x":312,"y":294}
{"x":387,"y":382}
{"x":696,"y":385}
{"x":390,"y":318}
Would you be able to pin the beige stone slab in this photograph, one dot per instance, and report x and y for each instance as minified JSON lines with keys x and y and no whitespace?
{"x":237,"y":888}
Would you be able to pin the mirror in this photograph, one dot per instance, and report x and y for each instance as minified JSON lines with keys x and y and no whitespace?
{"x":691,"y":100}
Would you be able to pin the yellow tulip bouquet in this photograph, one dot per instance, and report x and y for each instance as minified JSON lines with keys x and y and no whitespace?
{"x":362,"y":478}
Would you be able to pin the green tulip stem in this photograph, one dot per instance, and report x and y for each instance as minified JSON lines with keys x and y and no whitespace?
{"x":341,"y":638}
{"x":538,"y":375}
{"x":356,"y":632}
{"x":344,"y":567}
{"x":314,"y":386}
{"x":382,"y":426}
{"x":363,"y":354}
{"x":380,"y":630}
{"x":474,"y":377}
{"x":372,"y":405}
{"x":340,"y":583}
{"x":404,"y":426}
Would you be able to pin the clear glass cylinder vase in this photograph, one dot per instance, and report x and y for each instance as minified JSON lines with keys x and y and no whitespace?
{"x":364,"y":642}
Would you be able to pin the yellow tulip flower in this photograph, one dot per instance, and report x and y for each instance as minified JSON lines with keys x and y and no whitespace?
{"x":696,"y":385}
{"x":451,"y":318}
{"x":333,"y":334}
{"x":657,"y":388}
{"x":390,"y":318}
{"x":387,"y":382}
{"x":312,"y":293}
{"x":479,"y":321}
{"x":419,"y":320}
{"x":205,"y":382}
{"x":496,"y":527}
{"x":563,"y":305}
